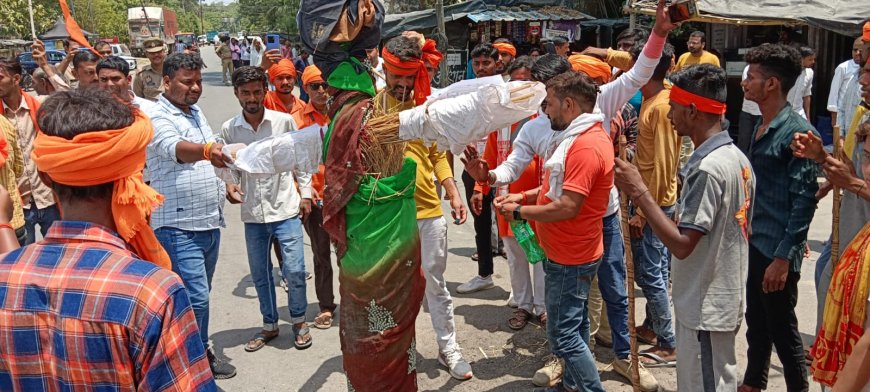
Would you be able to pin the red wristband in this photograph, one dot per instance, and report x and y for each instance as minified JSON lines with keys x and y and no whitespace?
{"x":7,"y":226}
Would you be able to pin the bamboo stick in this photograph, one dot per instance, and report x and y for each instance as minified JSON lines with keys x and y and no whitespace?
{"x":634,"y":370}
{"x":835,"y":229}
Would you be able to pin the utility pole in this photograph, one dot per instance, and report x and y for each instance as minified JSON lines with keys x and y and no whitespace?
{"x":201,"y":24}
{"x":442,"y":41}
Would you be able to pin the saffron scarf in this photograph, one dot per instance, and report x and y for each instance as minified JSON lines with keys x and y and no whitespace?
{"x":845,"y":308}
{"x":417,"y":67}
{"x":116,"y":156}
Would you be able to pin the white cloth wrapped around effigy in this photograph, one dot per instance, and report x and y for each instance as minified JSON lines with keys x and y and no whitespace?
{"x":468,"y":111}
{"x":297,"y":151}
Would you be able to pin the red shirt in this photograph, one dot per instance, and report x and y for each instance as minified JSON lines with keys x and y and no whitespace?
{"x":589,"y":172}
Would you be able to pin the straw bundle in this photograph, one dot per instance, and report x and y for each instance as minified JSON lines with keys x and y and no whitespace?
{"x":629,"y":278}
{"x":382,"y":152}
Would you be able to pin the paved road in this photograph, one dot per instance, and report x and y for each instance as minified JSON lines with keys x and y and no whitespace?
{"x":503,"y":360}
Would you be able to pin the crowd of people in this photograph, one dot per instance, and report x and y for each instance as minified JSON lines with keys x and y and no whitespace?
{"x":127,"y":183}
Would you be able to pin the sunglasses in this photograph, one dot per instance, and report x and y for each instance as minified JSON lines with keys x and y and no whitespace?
{"x":317,"y":86}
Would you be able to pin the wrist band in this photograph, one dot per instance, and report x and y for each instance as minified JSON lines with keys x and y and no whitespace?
{"x":6,"y":226}
{"x":634,"y":199}
{"x":863,"y":184}
{"x":206,"y":151}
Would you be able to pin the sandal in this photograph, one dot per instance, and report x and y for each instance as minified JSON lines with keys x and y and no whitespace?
{"x":260,"y":339}
{"x":655,"y":361}
{"x":323,"y":320}
{"x":519,"y":320}
{"x":641,"y":331}
{"x":302,"y":332}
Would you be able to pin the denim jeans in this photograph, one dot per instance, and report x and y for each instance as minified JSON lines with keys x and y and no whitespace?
{"x":194,"y":256}
{"x":567,"y":290}
{"x":652,"y":261}
{"x":44,"y":217}
{"x":258,"y":238}
{"x":611,"y":283}
{"x":823,"y":275}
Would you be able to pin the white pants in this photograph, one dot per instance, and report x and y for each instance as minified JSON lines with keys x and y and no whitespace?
{"x":528,"y":294}
{"x":706,"y":361}
{"x":433,"y":251}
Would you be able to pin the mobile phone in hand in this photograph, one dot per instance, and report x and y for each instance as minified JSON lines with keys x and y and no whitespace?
{"x":273,"y":41}
{"x":682,"y":10}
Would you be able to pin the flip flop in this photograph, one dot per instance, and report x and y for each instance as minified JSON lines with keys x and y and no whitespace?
{"x":259,"y":341}
{"x":323,"y":320}
{"x":658,"y":361}
{"x":297,"y":332}
{"x":519,"y":320}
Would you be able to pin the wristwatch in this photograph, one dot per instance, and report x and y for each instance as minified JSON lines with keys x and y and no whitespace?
{"x":517,"y":213}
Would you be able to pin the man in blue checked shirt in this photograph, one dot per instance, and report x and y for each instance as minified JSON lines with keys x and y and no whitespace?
{"x":179,"y":165}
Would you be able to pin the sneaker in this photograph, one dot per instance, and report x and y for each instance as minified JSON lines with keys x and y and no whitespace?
{"x":452,"y":360}
{"x":221,"y":369}
{"x":648,"y":382}
{"x":551,"y":374}
{"x":476,"y":283}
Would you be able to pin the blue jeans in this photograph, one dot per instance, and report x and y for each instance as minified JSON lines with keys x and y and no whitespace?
{"x":194,"y":256}
{"x":567,"y":291}
{"x":44,"y":217}
{"x":822,"y":262}
{"x":258,"y":237}
{"x":652,"y":262}
{"x":611,"y":282}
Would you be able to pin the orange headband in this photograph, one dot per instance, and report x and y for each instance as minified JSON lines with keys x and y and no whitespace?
{"x":284,"y":67}
{"x":504,"y":47}
{"x":431,"y":54}
{"x":112,"y":156}
{"x":395,"y":65}
{"x":703,"y":104}
{"x":591,"y":66}
{"x":311,"y":74}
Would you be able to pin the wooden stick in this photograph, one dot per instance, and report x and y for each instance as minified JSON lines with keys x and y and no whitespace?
{"x":835,"y":229}
{"x":524,"y":86}
{"x":32,"y":25}
{"x":634,"y":371}
{"x":522,"y":98}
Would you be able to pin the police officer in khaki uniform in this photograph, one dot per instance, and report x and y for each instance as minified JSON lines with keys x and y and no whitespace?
{"x":148,"y":82}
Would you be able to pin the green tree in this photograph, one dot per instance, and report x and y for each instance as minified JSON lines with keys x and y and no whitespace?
{"x":15,"y":19}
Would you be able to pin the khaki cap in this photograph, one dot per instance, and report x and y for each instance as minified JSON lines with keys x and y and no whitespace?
{"x":153,"y":45}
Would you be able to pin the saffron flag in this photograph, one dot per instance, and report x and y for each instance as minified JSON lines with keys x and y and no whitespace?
{"x":73,"y":29}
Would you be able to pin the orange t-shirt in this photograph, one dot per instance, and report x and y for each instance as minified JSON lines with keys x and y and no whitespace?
{"x":306,"y":117}
{"x":589,"y":172}
{"x":530,"y":179}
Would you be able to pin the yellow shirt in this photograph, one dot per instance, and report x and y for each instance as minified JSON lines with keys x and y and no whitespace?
{"x":849,"y":144}
{"x":431,"y":164}
{"x":687,"y":59}
{"x":619,"y":59}
{"x":13,"y":169}
{"x":658,"y":149}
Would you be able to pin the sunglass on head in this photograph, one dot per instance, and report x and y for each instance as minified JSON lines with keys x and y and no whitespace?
{"x":317,"y":86}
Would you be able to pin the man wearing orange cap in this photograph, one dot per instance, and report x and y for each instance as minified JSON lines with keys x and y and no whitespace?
{"x":314,"y":114}
{"x":138,"y":311}
{"x":506,"y":54}
{"x":283,"y":76}
{"x":408,"y":86}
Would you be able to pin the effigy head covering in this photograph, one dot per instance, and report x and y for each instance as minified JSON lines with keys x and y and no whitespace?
{"x":591,"y":66}
{"x":111,"y":156}
{"x":431,"y":54}
{"x":335,"y":32}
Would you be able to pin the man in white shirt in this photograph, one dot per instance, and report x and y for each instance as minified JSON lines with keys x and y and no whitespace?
{"x":271,"y":208}
{"x":749,"y":116}
{"x":800,"y":94}
{"x":113,"y":75}
{"x":845,"y":92}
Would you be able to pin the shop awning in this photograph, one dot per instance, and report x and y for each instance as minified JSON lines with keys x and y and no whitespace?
{"x":517,"y":14}
{"x":840,"y":16}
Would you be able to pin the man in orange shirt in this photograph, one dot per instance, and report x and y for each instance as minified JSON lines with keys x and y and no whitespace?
{"x":314,"y":114}
{"x":283,"y":76}
{"x":576,"y":191}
